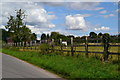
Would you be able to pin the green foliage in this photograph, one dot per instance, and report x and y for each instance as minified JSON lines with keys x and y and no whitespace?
{"x":17,"y":28}
{"x":54,"y":35}
{"x":106,"y":38}
{"x":43,"y":36}
{"x":69,"y":67}
{"x":100,"y":35}
{"x":93,"y":35}
{"x":34,"y":36}
{"x":44,"y":48}
{"x":4,"y":35}
{"x":47,"y":36}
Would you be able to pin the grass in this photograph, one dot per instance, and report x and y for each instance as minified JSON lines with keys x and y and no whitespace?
{"x":81,"y":48}
{"x":67,"y":66}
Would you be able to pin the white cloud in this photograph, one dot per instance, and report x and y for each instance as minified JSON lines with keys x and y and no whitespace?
{"x":76,"y":5}
{"x":102,"y":28}
{"x":103,"y":12}
{"x":36,"y":15}
{"x":75,"y":22}
{"x":84,"y":6}
{"x":2,"y":27}
{"x":86,"y":15}
{"x":109,"y":15}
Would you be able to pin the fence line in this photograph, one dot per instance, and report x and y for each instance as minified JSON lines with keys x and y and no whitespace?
{"x":86,"y":45}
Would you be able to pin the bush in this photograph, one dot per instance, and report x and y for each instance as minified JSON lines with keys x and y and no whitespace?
{"x":14,"y":48}
{"x":44,"y":48}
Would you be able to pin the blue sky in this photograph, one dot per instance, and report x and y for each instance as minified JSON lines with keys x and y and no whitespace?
{"x":96,"y":17}
{"x":76,"y":18}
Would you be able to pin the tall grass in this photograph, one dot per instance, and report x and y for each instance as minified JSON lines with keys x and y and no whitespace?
{"x":67,"y":66}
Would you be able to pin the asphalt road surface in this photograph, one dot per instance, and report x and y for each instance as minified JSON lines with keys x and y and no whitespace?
{"x":15,"y":68}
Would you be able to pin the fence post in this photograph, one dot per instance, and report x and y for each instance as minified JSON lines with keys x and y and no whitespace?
{"x":35,"y":45}
{"x":86,"y":46}
{"x":72,"y":51}
{"x":106,"y":47}
{"x":31,"y":44}
{"x":20,"y":44}
{"x":61,"y":45}
{"x":23,"y":45}
{"x":52,"y":45}
{"x":17,"y":45}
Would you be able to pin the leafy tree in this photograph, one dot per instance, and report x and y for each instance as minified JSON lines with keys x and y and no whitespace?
{"x":34,"y":36}
{"x":43,"y":36}
{"x":93,"y":35}
{"x":25,"y":34}
{"x":4,"y":35}
{"x":48,"y":36}
{"x":54,"y":35}
{"x":100,"y":35}
{"x":17,"y":28}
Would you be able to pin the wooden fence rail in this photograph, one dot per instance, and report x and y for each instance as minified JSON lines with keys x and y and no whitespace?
{"x":71,"y":47}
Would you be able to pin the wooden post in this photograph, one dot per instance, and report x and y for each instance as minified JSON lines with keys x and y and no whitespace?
{"x":61,"y":45}
{"x":35,"y":45}
{"x":86,"y":46}
{"x":31,"y":44}
{"x":23,"y":45}
{"x":17,"y":45}
{"x":27,"y":45}
{"x":52,"y":45}
{"x":106,"y":46}
{"x":72,"y":51}
{"x":106,"y":52}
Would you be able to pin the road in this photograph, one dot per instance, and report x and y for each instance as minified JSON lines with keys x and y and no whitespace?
{"x":15,"y":68}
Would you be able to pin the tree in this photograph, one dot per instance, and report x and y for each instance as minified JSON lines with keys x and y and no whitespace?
{"x":47,"y":36}
{"x":43,"y":36}
{"x":63,"y":37}
{"x":34,"y":36}
{"x":25,"y":34}
{"x":100,"y":35}
{"x":17,"y":27}
{"x":93,"y":35}
{"x":54,"y":35}
{"x":4,"y":35}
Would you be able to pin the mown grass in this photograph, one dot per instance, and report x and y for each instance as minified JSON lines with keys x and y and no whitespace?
{"x":67,"y":66}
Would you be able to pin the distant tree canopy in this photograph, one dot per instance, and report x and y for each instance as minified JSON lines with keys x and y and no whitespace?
{"x":5,"y":34}
{"x":100,"y":35}
{"x":92,"y":35}
{"x":17,"y":28}
{"x":43,"y":36}
{"x":54,"y":35}
{"x":34,"y":36}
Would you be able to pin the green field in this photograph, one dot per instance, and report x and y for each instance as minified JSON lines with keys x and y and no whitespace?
{"x":69,"y":67}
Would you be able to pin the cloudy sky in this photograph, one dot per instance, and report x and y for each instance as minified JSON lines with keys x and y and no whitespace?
{"x":69,"y":18}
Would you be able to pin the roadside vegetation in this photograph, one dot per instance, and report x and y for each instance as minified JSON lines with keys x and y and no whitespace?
{"x":67,"y":66}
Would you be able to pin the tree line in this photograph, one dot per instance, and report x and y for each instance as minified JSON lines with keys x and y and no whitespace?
{"x":94,"y":37}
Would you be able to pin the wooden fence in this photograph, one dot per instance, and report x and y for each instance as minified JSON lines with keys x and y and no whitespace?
{"x":86,"y":45}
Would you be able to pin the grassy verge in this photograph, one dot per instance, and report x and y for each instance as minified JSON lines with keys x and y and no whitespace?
{"x":69,"y":67}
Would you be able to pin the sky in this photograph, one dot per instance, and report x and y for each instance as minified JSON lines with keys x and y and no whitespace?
{"x":68,"y":18}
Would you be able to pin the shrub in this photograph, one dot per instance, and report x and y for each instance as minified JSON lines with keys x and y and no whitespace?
{"x":14,"y":48}
{"x":44,"y":48}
